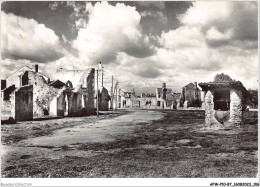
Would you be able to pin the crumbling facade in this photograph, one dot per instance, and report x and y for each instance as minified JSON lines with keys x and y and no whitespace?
{"x":17,"y":103}
{"x":191,"y":96}
{"x":81,"y":84}
{"x":28,"y":94}
{"x":164,"y":97}
{"x":224,"y":102}
{"x":104,"y":99}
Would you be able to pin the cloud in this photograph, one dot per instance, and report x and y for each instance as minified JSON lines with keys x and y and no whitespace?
{"x":224,"y":22}
{"x":152,"y":4}
{"x":78,"y":7}
{"x":54,"y":6}
{"x":110,"y":30}
{"x":80,"y":23}
{"x":182,"y":37}
{"x":24,"y":38}
{"x":214,"y":38}
{"x":9,"y":66}
{"x":210,"y":38}
{"x":155,"y":14}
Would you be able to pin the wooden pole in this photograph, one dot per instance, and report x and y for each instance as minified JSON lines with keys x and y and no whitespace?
{"x":112,"y":94}
{"x":116,"y":95}
{"x":97,"y":92}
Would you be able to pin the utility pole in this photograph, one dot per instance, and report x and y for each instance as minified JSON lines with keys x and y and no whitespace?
{"x":112,"y":95}
{"x":102,"y":76}
{"x":97,"y":92}
{"x":119,"y":97}
{"x":116,"y":95}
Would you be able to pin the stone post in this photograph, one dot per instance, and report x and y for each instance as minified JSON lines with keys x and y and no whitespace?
{"x":185,"y":105}
{"x":209,"y":108}
{"x":236,"y":115}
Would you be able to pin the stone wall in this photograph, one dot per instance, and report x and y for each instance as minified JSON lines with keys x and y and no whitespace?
{"x":24,"y":103}
{"x":236,"y":106}
{"x":43,"y":94}
{"x":148,"y":102}
{"x":15,"y":77}
{"x":103,"y":100}
{"x":90,"y":99}
{"x":8,"y":107}
{"x":191,"y":95}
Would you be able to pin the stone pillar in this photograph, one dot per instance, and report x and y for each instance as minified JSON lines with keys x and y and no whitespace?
{"x":178,"y":106}
{"x":236,"y":115}
{"x":209,"y":108}
{"x":185,"y":105}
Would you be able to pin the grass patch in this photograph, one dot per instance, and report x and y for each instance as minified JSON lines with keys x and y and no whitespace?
{"x":173,"y":146}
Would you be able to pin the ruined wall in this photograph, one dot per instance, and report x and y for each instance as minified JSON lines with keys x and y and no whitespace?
{"x":43,"y":94}
{"x":104,"y":99}
{"x":60,"y":105}
{"x":128,"y":102}
{"x":24,"y":103}
{"x":15,"y":79}
{"x":53,"y":107}
{"x":90,"y":99}
{"x":8,"y":107}
{"x":236,"y":114}
{"x":72,"y":75}
{"x":148,"y":102}
{"x":76,"y":102}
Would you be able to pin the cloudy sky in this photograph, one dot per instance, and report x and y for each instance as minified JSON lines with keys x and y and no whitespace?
{"x":141,"y":43}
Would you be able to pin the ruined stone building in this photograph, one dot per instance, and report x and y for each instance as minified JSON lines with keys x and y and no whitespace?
{"x":82,"y":86}
{"x":191,"y":96}
{"x":127,"y":99}
{"x":176,"y":100}
{"x":148,"y":100}
{"x":27,"y":95}
{"x":163,"y":98}
{"x":224,"y":101}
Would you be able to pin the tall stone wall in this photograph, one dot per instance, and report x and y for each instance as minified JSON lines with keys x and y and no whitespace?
{"x":236,"y":105}
{"x":90,"y":99}
{"x":103,"y":100}
{"x":24,"y":103}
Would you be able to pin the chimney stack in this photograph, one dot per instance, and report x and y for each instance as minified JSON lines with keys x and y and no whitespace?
{"x":164,"y":90}
{"x":100,"y":65}
{"x":36,"y":68}
{"x":163,"y":85}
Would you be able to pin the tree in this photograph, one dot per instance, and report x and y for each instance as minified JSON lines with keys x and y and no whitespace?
{"x":252,"y":100}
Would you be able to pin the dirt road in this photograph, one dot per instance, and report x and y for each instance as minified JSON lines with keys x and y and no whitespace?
{"x":138,"y":143}
{"x":52,"y":146}
{"x":101,"y":131}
